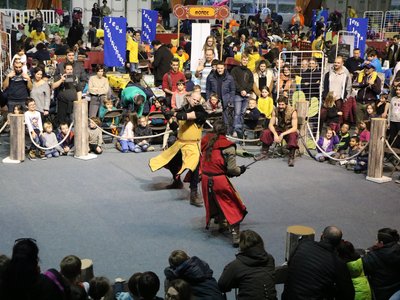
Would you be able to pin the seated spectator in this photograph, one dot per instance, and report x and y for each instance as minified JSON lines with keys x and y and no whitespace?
{"x":178,"y":289}
{"x":213,"y":105}
{"x":253,"y":270}
{"x":38,"y":35}
{"x":99,"y":288}
{"x":327,"y":143}
{"x":34,"y":124}
{"x":316,"y":271}
{"x":354,"y":148}
{"x":68,"y":144}
{"x":344,"y":139}
{"x":158,"y":106}
{"x":251,"y":115}
{"x":142,"y":129}
{"x":133,"y":293}
{"x":50,"y":140}
{"x":105,"y":108}
{"x":382,"y":264}
{"x":285,"y":80}
{"x":363,"y":131}
{"x":194,"y":271}
{"x":95,"y":136}
{"x":353,"y":260}
{"x":148,"y":286}
{"x":70,"y":269}
{"x":332,"y":111}
{"x":266,"y":104}
{"x":178,"y":96}
{"x":370,"y":112}
{"x":42,"y":54}
{"x":126,"y":143}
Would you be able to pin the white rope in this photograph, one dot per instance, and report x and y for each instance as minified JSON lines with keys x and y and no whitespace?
{"x":4,"y":126}
{"x":52,"y":147}
{"x":242,"y":140}
{"x":391,"y":149}
{"x":331,"y":157}
{"x":134,"y":138}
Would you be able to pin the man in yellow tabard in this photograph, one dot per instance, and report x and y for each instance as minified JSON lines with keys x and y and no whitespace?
{"x":185,"y":152}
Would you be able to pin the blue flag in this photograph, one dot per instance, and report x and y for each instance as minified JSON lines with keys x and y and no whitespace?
{"x":114,"y":41}
{"x":149,"y":23}
{"x":359,"y":26}
{"x":320,"y":17}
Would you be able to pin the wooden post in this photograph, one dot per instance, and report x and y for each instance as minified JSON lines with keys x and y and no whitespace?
{"x":302,"y":111}
{"x":294,"y":234}
{"x":17,"y":139}
{"x":376,"y":151}
{"x":81,"y":125}
{"x":86,"y":269}
{"x":179,"y":31}
{"x":222,"y":39}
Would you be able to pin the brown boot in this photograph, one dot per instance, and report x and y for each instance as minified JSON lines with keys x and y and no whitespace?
{"x":235,"y":231}
{"x":263,"y":154}
{"x":291,"y":157}
{"x":195,"y":198}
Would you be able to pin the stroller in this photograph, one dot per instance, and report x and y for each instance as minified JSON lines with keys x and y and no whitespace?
{"x":77,"y":14}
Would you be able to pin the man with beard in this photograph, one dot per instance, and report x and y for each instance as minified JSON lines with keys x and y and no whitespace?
{"x":283,"y":126}
{"x":185,"y":152}
{"x":17,"y":84}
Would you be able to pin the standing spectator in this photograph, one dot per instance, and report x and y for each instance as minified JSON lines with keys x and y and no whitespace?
{"x":75,"y":33}
{"x":263,"y":77}
{"x":142,"y":129}
{"x":69,"y":90}
{"x":316,"y":271}
{"x":91,"y":34}
{"x":78,"y":69}
{"x":161,"y":61}
{"x":98,"y":90}
{"x":41,"y":92}
{"x":355,"y":63}
{"x":105,"y":10}
{"x":17,"y":84}
{"x":351,"y":12}
{"x":311,"y":80}
{"x":382,"y":264}
{"x":393,"y":55}
{"x":337,"y":80}
{"x":37,"y":22}
{"x":204,"y":69}
{"x":182,"y":56}
{"x":223,"y":84}
{"x":394,"y":117}
{"x":244,"y":81}
{"x":253,"y":270}
{"x":170,"y":80}
{"x":132,"y":45}
{"x":165,"y":11}
{"x":194,"y":271}
{"x":178,"y":97}
{"x":96,"y":15}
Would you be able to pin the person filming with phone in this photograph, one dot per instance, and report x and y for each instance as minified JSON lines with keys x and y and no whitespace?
{"x":67,"y":89}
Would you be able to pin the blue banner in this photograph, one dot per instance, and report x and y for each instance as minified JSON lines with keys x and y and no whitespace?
{"x":149,"y":23}
{"x":114,"y":41}
{"x":320,"y":17}
{"x":359,"y":26}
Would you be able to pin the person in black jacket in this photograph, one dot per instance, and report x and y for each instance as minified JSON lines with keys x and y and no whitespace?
{"x":252,"y":272}
{"x":316,"y":271}
{"x":382,"y":264}
{"x":194,"y":271}
{"x":161,"y":62}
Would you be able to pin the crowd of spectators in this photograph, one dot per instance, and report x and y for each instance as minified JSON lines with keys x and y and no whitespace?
{"x":327,"y":269}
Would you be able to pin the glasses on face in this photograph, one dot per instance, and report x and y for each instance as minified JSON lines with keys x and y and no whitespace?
{"x":24,"y":239}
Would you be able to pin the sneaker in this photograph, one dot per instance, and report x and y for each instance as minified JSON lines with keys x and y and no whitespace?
{"x":321,"y":159}
{"x":42,"y":155}
{"x":32,"y":155}
{"x":151,"y":148}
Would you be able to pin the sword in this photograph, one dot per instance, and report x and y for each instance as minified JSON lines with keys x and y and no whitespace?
{"x":256,"y":160}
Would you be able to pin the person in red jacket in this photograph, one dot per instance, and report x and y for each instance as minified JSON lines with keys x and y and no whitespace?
{"x":221,"y":200}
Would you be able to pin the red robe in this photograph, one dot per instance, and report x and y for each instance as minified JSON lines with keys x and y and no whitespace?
{"x":218,"y":191}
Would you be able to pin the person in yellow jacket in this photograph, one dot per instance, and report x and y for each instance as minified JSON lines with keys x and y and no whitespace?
{"x":185,"y":152}
{"x":351,"y":12}
{"x":182,"y":56}
{"x":132,"y":45}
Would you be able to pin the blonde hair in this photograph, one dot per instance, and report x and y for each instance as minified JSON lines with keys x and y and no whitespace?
{"x":214,"y":45}
{"x":47,"y":125}
{"x":330,"y":100}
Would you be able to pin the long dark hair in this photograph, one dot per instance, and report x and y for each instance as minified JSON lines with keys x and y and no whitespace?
{"x":219,"y":128}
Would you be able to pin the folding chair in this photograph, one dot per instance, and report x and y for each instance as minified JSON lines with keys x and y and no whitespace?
{"x":111,"y":121}
{"x":157,"y":127}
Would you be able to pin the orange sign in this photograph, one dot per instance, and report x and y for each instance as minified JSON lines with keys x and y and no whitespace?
{"x":201,"y":12}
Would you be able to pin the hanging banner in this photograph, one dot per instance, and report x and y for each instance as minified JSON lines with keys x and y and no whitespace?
{"x":320,"y":18}
{"x":149,"y":24}
{"x":114,"y":41}
{"x":201,"y":12}
{"x":359,"y":26}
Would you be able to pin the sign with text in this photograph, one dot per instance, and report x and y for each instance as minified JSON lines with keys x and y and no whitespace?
{"x":149,"y":24}
{"x":114,"y":41}
{"x":201,"y":12}
{"x":359,"y":27}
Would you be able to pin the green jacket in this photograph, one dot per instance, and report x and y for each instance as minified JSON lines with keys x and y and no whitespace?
{"x":360,"y":281}
{"x":127,"y":96}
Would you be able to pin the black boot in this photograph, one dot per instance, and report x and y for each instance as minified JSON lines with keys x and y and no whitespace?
{"x":291,"y":157}
{"x":264,"y":153}
{"x":176,"y":184}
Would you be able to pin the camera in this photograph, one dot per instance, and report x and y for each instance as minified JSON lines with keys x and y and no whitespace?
{"x":69,"y":78}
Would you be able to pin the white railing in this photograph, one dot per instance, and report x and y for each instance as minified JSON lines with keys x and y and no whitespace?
{"x":375,"y":24}
{"x":391,"y":25}
{"x":23,"y":16}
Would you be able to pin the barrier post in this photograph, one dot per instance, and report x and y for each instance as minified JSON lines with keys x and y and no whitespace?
{"x":376,"y":151}
{"x":17,"y":139}
{"x":293,"y":235}
{"x":302,"y":111}
{"x":81,"y":130}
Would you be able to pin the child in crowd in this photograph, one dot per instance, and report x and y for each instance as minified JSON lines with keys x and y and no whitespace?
{"x":50,"y":140}
{"x":105,"y":108}
{"x":332,"y":112}
{"x":99,"y":288}
{"x":189,"y":83}
{"x":33,"y":121}
{"x":126,"y":143}
{"x":133,"y":293}
{"x":158,"y":106}
{"x":363,"y":131}
{"x":178,"y":97}
{"x":327,"y":143}
{"x":18,"y":109}
{"x":266,"y":104}
{"x":68,"y":144}
{"x":143,"y":129}
{"x":382,"y":107}
{"x":354,"y":263}
{"x":213,"y":105}
{"x":354,"y":148}
{"x":344,"y":139}
{"x":95,"y":136}
{"x":148,"y":286}
{"x":182,"y":56}
{"x":251,"y":115}
{"x":370,"y":112}
{"x":22,"y":57}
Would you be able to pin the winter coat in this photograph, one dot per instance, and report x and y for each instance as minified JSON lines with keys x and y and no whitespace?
{"x":360,"y":281}
{"x":227,"y":87}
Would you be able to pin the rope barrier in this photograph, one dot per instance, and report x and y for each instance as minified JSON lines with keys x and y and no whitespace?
{"x":52,"y":147}
{"x":242,"y":140}
{"x":329,"y":156}
{"x":391,"y":149}
{"x":4,"y":126}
